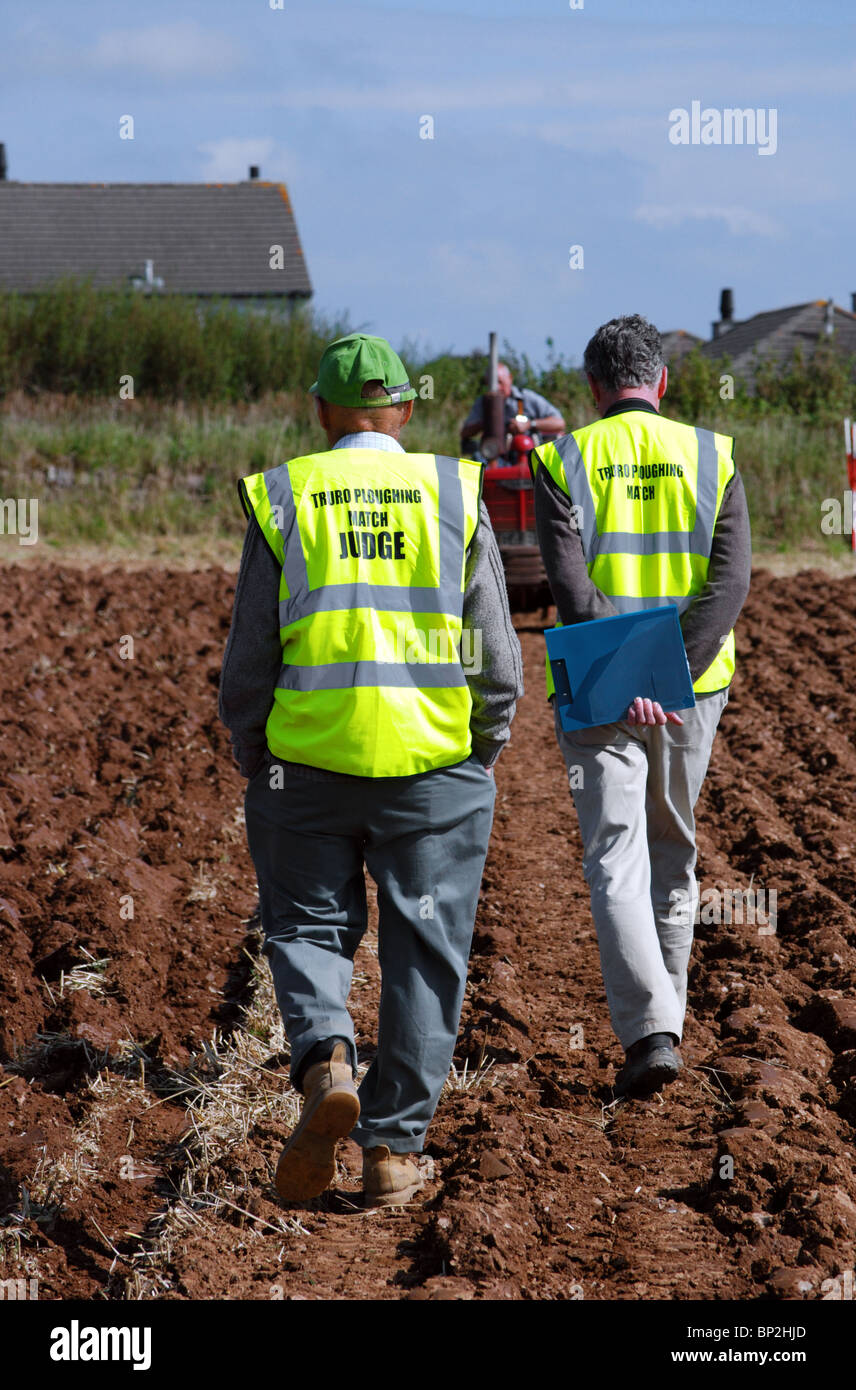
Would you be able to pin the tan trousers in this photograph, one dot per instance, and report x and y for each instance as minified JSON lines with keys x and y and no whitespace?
{"x":635,"y":790}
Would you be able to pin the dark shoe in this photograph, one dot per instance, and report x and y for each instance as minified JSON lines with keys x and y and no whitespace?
{"x":331,"y":1108}
{"x":651,"y":1063}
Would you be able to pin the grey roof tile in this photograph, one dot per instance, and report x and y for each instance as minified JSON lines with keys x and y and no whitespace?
{"x":205,"y":239}
{"x":775,"y":334}
{"x":677,"y":342}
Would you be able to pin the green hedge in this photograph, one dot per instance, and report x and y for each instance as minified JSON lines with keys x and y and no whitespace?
{"x":78,"y":340}
{"x":74,"y":338}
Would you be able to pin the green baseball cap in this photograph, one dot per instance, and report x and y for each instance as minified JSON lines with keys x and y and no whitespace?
{"x":348,"y":363}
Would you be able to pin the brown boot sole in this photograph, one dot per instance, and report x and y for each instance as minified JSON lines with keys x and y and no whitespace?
{"x":394,"y":1199}
{"x":307,"y":1164}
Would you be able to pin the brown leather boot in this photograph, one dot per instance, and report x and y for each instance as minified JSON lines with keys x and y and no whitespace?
{"x":331,"y":1108}
{"x":389,"y":1180}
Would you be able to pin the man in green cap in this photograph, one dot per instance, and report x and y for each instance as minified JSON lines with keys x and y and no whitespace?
{"x":369,"y":681}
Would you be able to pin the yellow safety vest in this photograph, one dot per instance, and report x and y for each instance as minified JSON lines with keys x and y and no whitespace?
{"x":647,"y":492}
{"x":372,"y":547}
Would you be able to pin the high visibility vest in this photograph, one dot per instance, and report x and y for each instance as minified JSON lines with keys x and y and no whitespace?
{"x":371,"y":546}
{"x":647,"y":492}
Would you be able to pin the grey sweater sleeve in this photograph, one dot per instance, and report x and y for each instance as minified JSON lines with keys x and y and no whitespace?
{"x":496,"y":679}
{"x":711,"y":617}
{"x":253,"y":656}
{"x":715,"y":610}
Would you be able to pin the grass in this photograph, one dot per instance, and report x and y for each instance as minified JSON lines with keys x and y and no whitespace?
{"x":219,"y":392}
{"x":228,"y":1093}
{"x":716,"y":1093}
{"x":74,"y":338}
{"x":58,"y":1182}
{"x":114,"y":476}
{"x":49,"y":1052}
{"x":203,"y":888}
{"x":607,"y":1116}
{"x":88,"y":976}
{"x":466,"y":1080}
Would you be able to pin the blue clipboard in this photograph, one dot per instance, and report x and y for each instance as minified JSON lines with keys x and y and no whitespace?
{"x":599,"y":667}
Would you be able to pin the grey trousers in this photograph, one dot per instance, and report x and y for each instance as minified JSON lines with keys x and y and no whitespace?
{"x":635,"y":790}
{"x":424,"y":840}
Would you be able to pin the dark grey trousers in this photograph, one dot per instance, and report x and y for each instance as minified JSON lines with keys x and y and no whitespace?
{"x":424,"y":840}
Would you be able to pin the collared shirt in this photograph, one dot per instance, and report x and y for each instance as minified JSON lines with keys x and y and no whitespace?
{"x":535,"y":406}
{"x":630,"y":403}
{"x":369,"y":439}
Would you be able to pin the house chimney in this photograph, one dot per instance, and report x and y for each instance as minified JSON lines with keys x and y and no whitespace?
{"x":254,"y":171}
{"x":2,"y":162}
{"x":726,"y":314}
{"x":853,"y":301}
{"x":829,"y":318}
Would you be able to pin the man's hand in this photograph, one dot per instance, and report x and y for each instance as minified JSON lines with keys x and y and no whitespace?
{"x":644,"y":711}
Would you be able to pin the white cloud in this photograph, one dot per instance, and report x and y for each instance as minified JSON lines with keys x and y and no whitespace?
{"x":183,"y":49}
{"x":739,"y":221}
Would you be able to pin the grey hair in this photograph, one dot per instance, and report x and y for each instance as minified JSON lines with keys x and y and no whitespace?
{"x":625,"y":352}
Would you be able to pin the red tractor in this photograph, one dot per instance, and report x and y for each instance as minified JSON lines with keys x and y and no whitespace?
{"x":510,"y":501}
{"x":508,"y":493}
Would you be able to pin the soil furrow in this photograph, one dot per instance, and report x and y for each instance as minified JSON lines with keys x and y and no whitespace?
{"x":126,"y":906}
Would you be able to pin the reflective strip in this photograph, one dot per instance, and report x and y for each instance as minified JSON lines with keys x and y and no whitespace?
{"x":391,"y":598}
{"x":255,"y":501}
{"x":696,"y":542}
{"x":450,"y":515}
{"x":646,"y":543}
{"x":281,"y":496}
{"x":580,"y":492}
{"x":707,"y":486}
{"x":344,"y":675}
{"x":444,"y":597}
{"x":629,"y":603}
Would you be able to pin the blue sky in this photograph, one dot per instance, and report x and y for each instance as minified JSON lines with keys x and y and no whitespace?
{"x":551,"y":129}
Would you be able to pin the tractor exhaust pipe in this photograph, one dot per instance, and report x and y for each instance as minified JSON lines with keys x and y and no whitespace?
{"x":493,"y":434}
{"x":493,"y":364}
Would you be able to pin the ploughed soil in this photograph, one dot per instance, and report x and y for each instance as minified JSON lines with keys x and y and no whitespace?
{"x":122,"y":853}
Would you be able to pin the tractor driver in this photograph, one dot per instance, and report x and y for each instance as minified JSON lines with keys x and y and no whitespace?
{"x":539,"y":413}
